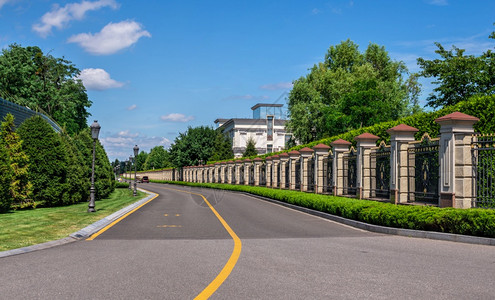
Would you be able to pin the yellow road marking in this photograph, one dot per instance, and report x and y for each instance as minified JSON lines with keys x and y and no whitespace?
{"x":229,"y":266}
{"x":177,"y":215}
{"x":167,"y":226}
{"x":118,"y":220}
{"x":166,"y":215}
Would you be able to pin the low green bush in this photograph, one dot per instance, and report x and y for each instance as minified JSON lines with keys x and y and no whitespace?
{"x":474,"y":221}
{"x":121,"y":185}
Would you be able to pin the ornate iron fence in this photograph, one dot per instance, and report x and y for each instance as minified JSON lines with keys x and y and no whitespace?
{"x":297,"y":169}
{"x":311,"y":174}
{"x":328,"y":171}
{"x":380,"y":171}
{"x":279,"y":172}
{"x":241,"y":174}
{"x":287,"y":174}
{"x":424,"y":157}
{"x":233,"y":175}
{"x":350,"y":174}
{"x":262,"y":174}
{"x":251,"y":174}
{"x":484,"y":170}
{"x":226,"y":175}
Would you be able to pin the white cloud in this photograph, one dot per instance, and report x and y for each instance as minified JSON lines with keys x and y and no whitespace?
{"x":175,"y":117}
{"x":277,"y":86}
{"x":132,"y":107}
{"x":111,"y":39}
{"x":98,"y":79}
{"x":3,"y":2}
{"x":119,"y":145}
{"x":60,"y":17}
{"x":246,"y":97}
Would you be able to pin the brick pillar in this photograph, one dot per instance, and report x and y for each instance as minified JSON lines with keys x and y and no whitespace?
{"x":269,"y":170}
{"x":284,"y":160}
{"x":456,"y":167}
{"x":257,"y":169}
{"x":339,"y":147}
{"x":321,"y":152}
{"x":293,"y":157}
{"x":275,"y":170}
{"x":306,"y":153}
{"x":400,"y":137}
{"x":365,"y":142}
{"x":247,"y":166}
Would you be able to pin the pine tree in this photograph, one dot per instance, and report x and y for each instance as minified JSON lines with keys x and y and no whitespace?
{"x":5,"y":179}
{"x":20,"y":186}
{"x":250,"y":148}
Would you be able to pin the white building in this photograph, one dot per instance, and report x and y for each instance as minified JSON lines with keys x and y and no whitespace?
{"x":266,"y":128}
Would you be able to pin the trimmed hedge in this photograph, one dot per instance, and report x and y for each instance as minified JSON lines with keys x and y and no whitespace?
{"x":475,"y":222}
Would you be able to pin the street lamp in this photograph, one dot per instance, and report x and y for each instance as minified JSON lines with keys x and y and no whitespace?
{"x":136,"y":151}
{"x":95,"y":131}
{"x":130,"y":172}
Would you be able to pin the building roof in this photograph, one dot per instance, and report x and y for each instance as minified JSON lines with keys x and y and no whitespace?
{"x":277,"y":122}
{"x":266,"y":105}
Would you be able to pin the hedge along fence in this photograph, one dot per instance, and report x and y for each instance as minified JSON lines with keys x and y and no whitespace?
{"x":475,"y":222}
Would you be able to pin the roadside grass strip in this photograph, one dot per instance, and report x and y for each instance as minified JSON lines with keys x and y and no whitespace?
{"x":473,"y":222}
{"x":24,"y":228}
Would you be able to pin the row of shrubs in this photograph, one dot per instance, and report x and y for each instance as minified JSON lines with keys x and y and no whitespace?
{"x":40,"y":167}
{"x":475,"y":222}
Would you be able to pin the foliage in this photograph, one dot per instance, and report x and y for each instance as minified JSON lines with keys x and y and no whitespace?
{"x":350,"y":90}
{"x":458,"y":76}
{"x":5,"y":178}
{"x":48,"y":162}
{"x":77,"y":171}
{"x":140,"y":160}
{"x":121,"y":185}
{"x":250,"y":148}
{"x":199,"y":144}
{"x":476,"y":222}
{"x":20,"y":186}
{"x":40,"y":81}
{"x":104,"y":178}
{"x":157,"y":159}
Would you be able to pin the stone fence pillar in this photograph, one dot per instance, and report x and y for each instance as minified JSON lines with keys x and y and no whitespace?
{"x":230,"y":169}
{"x":456,"y":165}
{"x":321,"y":153}
{"x":275,"y":170}
{"x":400,"y":137}
{"x":284,"y":160}
{"x":339,"y":147}
{"x":223,"y":166}
{"x":257,"y":170}
{"x":238,"y":165}
{"x":294,"y":156}
{"x":247,"y":168}
{"x":306,"y":154}
{"x":269,"y":171}
{"x":365,"y":142}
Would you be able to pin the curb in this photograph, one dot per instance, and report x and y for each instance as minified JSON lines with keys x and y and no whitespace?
{"x":459,"y":238}
{"x":81,"y":234}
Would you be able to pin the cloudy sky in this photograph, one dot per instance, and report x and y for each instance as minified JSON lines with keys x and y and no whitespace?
{"x":153,"y":68}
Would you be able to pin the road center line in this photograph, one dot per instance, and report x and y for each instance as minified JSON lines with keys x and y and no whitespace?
{"x":229,"y":266}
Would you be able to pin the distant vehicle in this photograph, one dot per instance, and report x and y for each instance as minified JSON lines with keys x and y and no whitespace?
{"x":145,"y":179}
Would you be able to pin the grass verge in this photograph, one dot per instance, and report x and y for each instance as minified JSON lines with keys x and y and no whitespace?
{"x":473,"y":221}
{"x":29,"y":227}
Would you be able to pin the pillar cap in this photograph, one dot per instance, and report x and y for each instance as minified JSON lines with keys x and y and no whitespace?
{"x":268,"y":158}
{"x":247,"y":160}
{"x":230,"y":162}
{"x":257,"y":159}
{"x":402,"y":128}
{"x":456,"y":116}
{"x":285,"y":154}
{"x":321,"y":147}
{"x":294,"y":153}
{"x":367,"y":137}
{"x":340,"y":142}
{"x":306,"y":150}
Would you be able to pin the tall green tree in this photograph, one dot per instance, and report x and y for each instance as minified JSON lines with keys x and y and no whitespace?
{"x":158,"y":158}
{"x":20,"y":186}
{"x":40,"y":81}
{"x":222,"y":147}
{"x":48,"y":162}
{"x":5,"y":178}
{"x":250,"y":148}
{"x":77,"y":180}
{"x":193,"y":146}
{"x":318,"y":105}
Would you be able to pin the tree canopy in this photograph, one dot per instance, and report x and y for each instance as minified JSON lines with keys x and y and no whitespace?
{"x":329,"y":100}
{"x":42,"y":82}
{"x":458,"y":76}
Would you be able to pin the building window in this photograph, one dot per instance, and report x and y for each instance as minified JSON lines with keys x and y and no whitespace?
{"x":269,"y":148}
{"x":269,"y":125}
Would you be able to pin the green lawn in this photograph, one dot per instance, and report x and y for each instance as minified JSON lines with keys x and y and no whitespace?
{"x":29,"y":227}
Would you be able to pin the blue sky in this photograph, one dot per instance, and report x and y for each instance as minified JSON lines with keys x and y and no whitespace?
{"x":153,"y":68}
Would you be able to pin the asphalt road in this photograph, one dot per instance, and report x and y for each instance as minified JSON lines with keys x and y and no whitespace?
{"x":175,"y":246}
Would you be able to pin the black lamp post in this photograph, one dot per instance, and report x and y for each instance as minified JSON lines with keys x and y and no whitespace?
{"x":130,"y":172}
{"x":136,"y":152}
{"x":95,"y":131}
